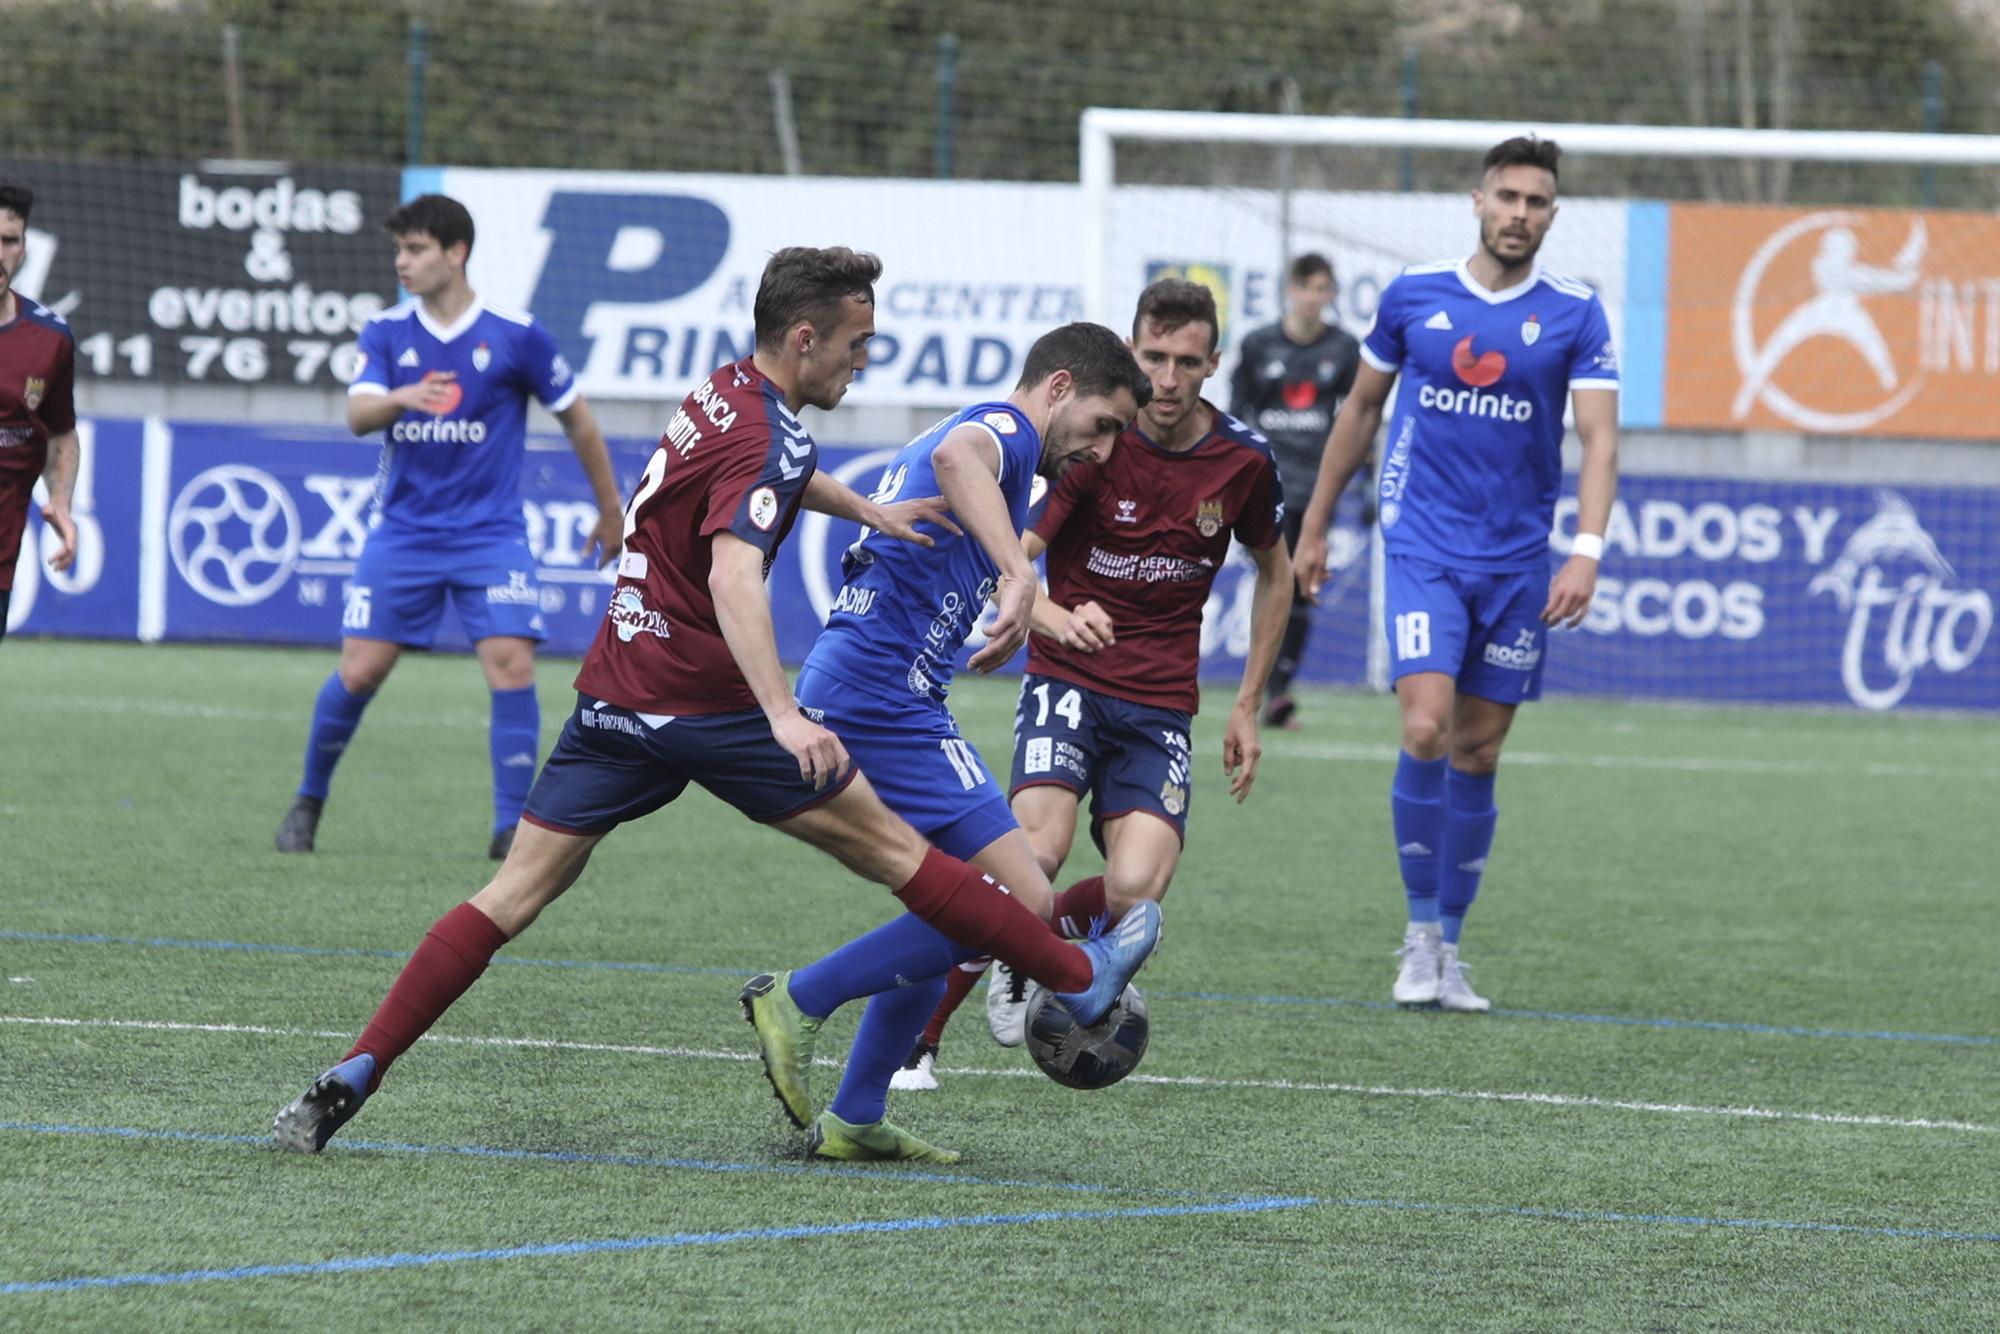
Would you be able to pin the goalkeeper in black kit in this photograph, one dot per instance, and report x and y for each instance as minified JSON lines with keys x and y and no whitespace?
{"x":1290,"y":378}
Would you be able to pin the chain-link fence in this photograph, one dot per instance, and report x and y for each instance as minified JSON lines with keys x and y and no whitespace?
{"x":908,"y":88}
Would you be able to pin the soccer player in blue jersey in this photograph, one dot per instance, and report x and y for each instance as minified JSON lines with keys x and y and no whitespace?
{"x":878,"y":678}
{"x":1487,"y":349}
{"x":448,"y":379}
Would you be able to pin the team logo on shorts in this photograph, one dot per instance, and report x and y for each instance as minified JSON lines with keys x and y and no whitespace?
{"x":482,"y":357}
{"x":1531,"y":329}
{"x":1173,"y":798}
{"x":31,"y":394}
{"x":1208,"y":519}
{"x":764,"y":507}
{"x":1037,"y":755}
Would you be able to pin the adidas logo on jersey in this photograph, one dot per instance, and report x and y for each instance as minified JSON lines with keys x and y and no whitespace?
{"x":409,"y":357}
{"x":1439,"y":321}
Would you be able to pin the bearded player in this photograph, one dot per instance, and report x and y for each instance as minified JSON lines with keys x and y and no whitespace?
{"x":1487,"y":349}
{"x":1107,"y":707}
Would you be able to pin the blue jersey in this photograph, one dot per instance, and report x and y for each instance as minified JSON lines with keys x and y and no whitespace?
{"x":460,"y":471}
{"x":1474,"y":455}
{"x":897,"y":625}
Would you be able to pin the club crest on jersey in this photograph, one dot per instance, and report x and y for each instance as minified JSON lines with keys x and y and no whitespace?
{"x":1208,"y":519}
{"x":763,"y":507}
{"x":31,"y":393}
{"x":482,"y":357}
{"x":1003,"y":422}
{"x":1531,"y":329}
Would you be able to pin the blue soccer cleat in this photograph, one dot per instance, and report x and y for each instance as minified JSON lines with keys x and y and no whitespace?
{"x":309,"y":1122}
{"x":1116,"y":956}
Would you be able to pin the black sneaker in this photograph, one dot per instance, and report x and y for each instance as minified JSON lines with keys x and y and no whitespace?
{"x":502,"y":844}
{"x":301,"y":823}
{"x":329,"y":1103}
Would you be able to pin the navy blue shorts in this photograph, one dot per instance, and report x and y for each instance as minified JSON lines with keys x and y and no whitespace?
{"x":1128,"y":757}
{"x":612,"y":765}
{"x":401,"y":582}
{"x":916,"y":761}
{"x":1481,"y":629}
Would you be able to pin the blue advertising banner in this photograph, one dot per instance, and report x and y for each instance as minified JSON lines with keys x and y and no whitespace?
{"x":1743,"y":591}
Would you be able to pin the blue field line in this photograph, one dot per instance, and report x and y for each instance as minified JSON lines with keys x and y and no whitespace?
{"x":804,"y":1231}
{"x":1214,"y":997}
{"x":1666,"y":1220}
{"x":882,"y":1172}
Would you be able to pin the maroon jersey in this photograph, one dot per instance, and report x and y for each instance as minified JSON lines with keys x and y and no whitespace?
{"x":1142,"y":535}
{"x":734,"y":459}
{"x":37,"y":370}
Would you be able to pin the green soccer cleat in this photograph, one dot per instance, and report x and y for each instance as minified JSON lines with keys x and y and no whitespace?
{"x":881,"y":1142}
{"x":785,"y":1038}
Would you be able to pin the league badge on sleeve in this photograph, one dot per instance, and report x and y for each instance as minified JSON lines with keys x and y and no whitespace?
{"x":1003,"y":422}
{"x":764,"y":508}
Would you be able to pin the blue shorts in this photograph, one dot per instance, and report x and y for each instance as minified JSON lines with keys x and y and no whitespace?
{"x":401,"y":582}
{"x":1483,"y":630}
{"x":612,"y":765}
{"x":1128,"y":757}
{"x":914,"y":757}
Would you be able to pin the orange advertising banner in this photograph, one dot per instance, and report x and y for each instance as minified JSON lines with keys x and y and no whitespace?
{"x":1833,"y":321}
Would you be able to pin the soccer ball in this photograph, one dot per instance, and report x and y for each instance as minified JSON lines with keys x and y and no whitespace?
{"x":1087,"y":1058}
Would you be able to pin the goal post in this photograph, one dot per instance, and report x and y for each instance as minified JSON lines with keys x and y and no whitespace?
{"x":1778,"y":298}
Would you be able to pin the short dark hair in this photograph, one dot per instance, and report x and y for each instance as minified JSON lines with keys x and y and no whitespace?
{"x":1523,"y":150}
{"x":807,"y":283}
{"x":16,"y":196}
{"x":1310,"y":265}
{"x":443,"y":218}
{"x":1097,"y":360}
{"x":1172,"y":302}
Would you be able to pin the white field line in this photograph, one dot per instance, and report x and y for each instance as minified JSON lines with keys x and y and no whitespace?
{"x":1165,"y":1081}
{"x":1375,"y":753}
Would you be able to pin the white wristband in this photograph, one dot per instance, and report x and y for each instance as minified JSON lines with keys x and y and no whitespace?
{"x":1590,"y":546}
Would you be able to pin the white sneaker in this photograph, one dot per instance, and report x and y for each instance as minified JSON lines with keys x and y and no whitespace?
{"x":1418,"y":981}
{"x":919,"y":1073}
{"x":1454,"y":992}
{"x":1007,"y":1005}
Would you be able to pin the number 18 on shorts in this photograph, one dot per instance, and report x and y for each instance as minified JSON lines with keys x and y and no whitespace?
{"x":1482,"y":629}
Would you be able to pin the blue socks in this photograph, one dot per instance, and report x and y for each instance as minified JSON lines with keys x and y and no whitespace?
{"x":513,"y":736}
{"x":898,"y":954}
{"x":1468,"y":837}
{"x":1417,"y":809}
{"x":890,"y":1026}
{"x":336,"y":714}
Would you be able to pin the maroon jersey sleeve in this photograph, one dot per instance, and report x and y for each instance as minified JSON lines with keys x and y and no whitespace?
{"x":1076,"y":486}
{"x":756,"y":491}
{"x":58,"y":410}
{"x":1261,"y":521}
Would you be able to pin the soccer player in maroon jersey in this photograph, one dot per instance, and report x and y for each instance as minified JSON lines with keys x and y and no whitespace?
{"x":683,"y":684}
{"x":1134,"y":544}
{"x":37,"y":405}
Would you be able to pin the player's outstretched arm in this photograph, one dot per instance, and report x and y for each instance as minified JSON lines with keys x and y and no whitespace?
{"x":743,"y":612}
{"x":967,"y":465}
{"x":1270,"y":607}
{"x":60,"y":478}
{"x":1346,"y":446}
{"x":1575,"y":583}
{"x":607,"y":536}
{"x":827,"y":494}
